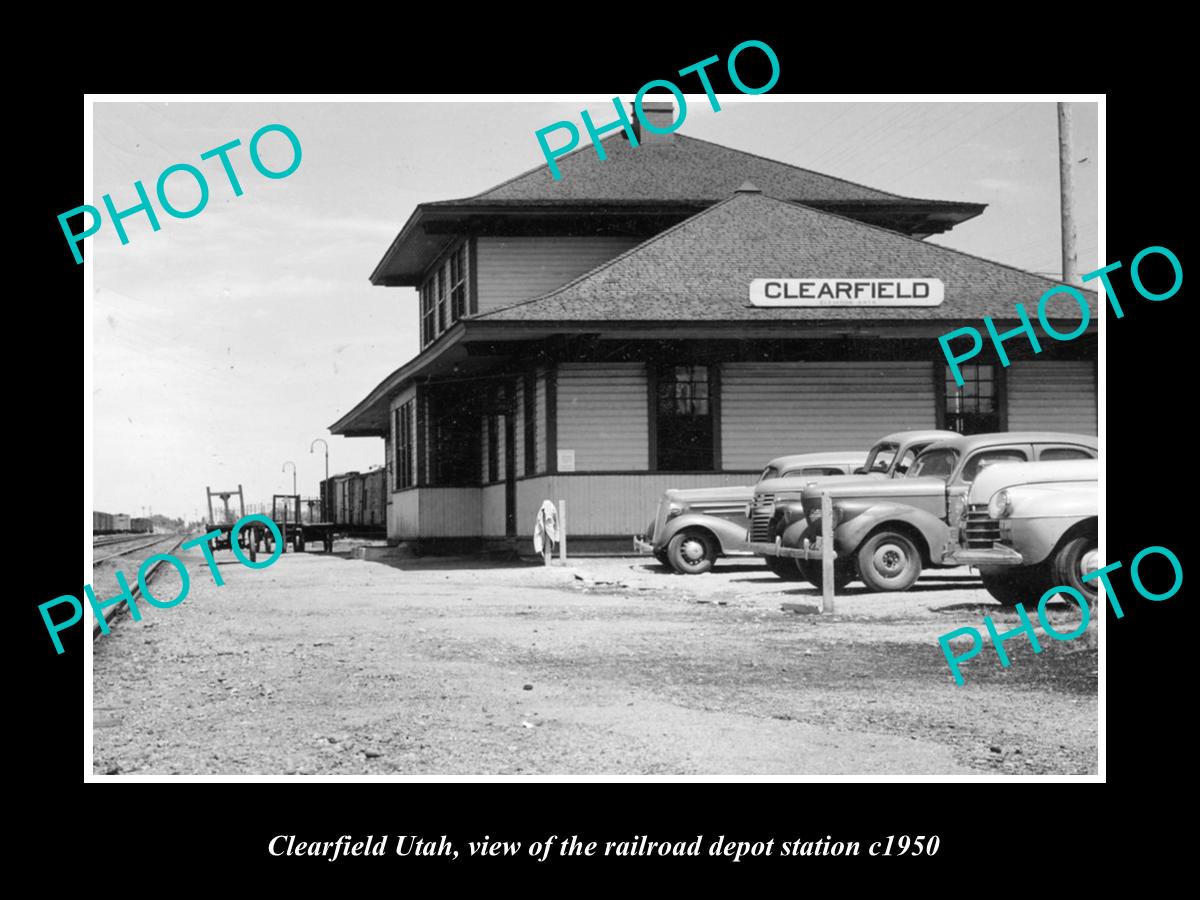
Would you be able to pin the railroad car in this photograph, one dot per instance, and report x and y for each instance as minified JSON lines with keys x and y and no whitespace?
{"x":102,"y":522}
{"x":141,"y":526}
{"x":357,"y":501}
{"x":120,"y":522}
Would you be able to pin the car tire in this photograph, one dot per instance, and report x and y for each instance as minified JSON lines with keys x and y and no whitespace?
{"x":1066,"y":567}
{"x":692,"y":552}
{"x":843,"y":572}
{"x":1009,"y":587}
{"x":889,"y":561}
{"x":784,"y":567}
{"x":663,"y":559}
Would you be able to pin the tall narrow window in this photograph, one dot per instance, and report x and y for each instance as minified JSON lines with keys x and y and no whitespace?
{"x":443,"y":301}
{"x":406,"y":446}
{"x":684,"y":420}
{"x":428,"y":323}
{"x":458,"y":283}
{"x":973,"y":408}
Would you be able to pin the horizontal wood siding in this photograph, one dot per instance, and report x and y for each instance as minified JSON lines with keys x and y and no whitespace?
{"x":449,"y":512}
{"x":403,"y":516}
{"x":773,"y":409}
{"x":541,"y":420}
{"x":600,"y":505}
{"x":513,"y":269}
{"x":1052,"y":396}
{"x":602,"y":415}
{"x":493,"y":510}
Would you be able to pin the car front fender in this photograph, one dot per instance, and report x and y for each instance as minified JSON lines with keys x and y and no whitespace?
{"x":730,"y":535}
{"x":936,"y":533}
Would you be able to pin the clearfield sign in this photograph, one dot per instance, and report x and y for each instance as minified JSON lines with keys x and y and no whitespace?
{"x":847,"y":292}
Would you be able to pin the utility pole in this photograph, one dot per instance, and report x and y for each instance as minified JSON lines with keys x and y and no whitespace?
{"x":1066,"y":184}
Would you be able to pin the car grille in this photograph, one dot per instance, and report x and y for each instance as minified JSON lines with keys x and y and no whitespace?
{"x":981,"y":531}
{"x":760,"y":516}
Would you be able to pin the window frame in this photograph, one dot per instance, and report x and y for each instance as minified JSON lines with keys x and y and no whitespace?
{"x":663,"y":445}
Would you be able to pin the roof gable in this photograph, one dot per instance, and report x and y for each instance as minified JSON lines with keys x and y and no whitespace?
{"x":701,"y":270}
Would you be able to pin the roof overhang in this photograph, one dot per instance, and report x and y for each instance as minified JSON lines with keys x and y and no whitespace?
{"x":432,"y":227}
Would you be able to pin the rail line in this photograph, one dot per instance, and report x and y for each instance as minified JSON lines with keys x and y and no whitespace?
{"x":135,"y":588}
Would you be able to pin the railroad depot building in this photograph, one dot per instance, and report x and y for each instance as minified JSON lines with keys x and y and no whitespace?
{"x":594,"y":339}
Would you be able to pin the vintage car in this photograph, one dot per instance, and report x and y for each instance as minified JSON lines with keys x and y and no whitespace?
{"x":885,"y":532}
{"x":889,"y":457}
{"x":1029,"y":527}
{"x":694,"y":527}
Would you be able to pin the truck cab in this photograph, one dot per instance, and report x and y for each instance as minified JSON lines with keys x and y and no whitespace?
{"x":886,"y":532}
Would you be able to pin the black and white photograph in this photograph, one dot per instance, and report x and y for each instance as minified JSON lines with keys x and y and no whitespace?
{"x":519,"y":438}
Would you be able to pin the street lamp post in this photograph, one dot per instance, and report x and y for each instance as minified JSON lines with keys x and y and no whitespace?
{"x":324,"y":511}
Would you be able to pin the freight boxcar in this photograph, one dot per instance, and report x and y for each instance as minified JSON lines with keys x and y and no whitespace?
{"x":120,"y":522}
{"x":102,"y":522}
{"x":141,"y":526}
{"x":356,"y":502}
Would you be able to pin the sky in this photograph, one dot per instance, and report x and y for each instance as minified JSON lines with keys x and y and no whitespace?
{"x":225,"y":343}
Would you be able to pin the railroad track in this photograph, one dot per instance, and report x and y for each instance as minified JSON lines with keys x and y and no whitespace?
{"x":108,"y":540}
{"x":125,"y":552}
{"x":135,"y":588}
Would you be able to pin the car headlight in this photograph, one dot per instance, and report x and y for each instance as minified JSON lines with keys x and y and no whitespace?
{"x":674,"y":509}
{"x":1000,"y":505}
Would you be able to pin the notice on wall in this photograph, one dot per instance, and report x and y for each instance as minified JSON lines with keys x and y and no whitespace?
{"x":566,"y":460}
{"x":847,"y":292}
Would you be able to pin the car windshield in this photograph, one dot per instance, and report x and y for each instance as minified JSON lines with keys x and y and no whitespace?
{"x":938,"y":463}
{"x":769,"y":472}
{"x":906,"y":460}
{"x":881,"y":457}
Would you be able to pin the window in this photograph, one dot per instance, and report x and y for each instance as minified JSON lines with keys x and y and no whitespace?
{"x":1049,"y":453}
{"x":881,"y":457}
{"x":939,"y":463}
{"x":493,"y":448}
{"x":530,"y":390}
{"x":458,"y":283}
{"x":428,"y":323}
{"x":443,"y":305}
{"x":972,"y":408}
{"x":987,"y":458}
{"x":818,"y":470}
{"x":684,"y":420}
{"x":406,"y":449}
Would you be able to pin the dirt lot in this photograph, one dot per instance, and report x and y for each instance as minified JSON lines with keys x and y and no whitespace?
{"x":324,"y":664}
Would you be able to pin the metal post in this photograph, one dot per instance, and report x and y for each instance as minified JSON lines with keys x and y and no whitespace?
{"x":826,"y":553}
{"x":562,"y":530}
{"x":325,"y":490}
{"x":1066,"y":184}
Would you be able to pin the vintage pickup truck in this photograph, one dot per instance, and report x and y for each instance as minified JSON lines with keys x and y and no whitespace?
{"x":694,"y":527}
{"x":1029,"y":527}
{"x":887,"y":531}
{"x":890,"y":457}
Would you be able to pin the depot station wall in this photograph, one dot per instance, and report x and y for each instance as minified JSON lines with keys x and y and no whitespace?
{"x":588,"y":433}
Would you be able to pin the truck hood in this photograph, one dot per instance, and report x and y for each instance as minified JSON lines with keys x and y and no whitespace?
{"x":876,"y":488}
{"x":1058,"y":472}
{"x":742,"y":492}
{"x":795,"y":484}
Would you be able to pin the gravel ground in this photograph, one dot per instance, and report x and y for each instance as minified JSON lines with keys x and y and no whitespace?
{"x":333,"y":665}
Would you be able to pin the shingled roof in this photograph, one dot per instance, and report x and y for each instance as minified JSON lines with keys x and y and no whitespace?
{"x":686,"y":169}
{"x":701,"y":269}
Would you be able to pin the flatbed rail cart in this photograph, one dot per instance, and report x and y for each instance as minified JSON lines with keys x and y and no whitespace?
{"x":295,"y":531}
{"x":252,"y":535}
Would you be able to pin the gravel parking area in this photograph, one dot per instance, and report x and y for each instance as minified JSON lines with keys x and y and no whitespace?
{"x":328,"y":664}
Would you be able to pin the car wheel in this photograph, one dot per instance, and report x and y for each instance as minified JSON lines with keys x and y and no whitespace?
{"x":1012,"y":586}
{"x":889,"y":561}
{"x":843,"y":572}
{"x":663,"y":559}
{"x":691,"y":552}
{"x":786,"y":568}
{"x":1073,"y":560}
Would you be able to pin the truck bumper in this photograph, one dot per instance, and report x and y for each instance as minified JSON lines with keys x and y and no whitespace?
{"x":808,"y":551}
{"x":641,"y":546}
{"x":995,"y":557}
